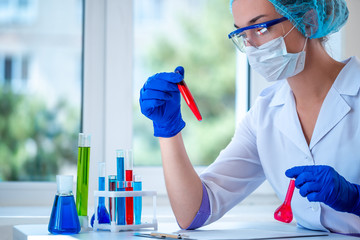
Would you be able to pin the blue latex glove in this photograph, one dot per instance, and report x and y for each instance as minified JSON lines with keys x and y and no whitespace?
{"x":323,"y":184}
{"x":160,"y":102}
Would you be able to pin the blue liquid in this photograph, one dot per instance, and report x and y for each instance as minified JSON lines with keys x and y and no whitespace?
{"x":64,"y":218}
{"x":137,"y":203}
{"x":103,"y":214}
{"x":120,"y":208}
{"x":120,"y":202}
{"x":120,"y":168}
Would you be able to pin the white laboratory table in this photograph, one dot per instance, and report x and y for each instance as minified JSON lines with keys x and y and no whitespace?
{"x":218,"y":230}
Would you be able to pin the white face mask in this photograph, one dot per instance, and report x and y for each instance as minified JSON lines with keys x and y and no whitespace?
{"x":273,"y":62}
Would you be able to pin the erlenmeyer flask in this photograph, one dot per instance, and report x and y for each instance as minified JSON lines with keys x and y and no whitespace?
{"x":64,"y":218}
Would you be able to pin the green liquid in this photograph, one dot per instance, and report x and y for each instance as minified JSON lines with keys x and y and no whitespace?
{"x":82,"y":185}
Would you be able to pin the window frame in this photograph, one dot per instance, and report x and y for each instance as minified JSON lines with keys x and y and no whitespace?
{"x":106,"y":111}
{"x":108,"y":55}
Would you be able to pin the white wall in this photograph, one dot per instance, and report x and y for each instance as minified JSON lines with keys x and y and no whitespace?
{"x":351,"y":33}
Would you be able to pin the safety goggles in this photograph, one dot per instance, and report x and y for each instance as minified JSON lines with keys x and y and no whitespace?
{"x":255,"y":35}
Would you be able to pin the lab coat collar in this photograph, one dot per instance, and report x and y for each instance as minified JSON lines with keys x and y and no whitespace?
{"x":287,"y":121}
{"x":347,"y":83}
{"x":334,"y":107}
{"x":281,"y":94}
{"x":348,"y":80}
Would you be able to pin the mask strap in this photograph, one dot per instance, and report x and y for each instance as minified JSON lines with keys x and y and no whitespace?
{"x":305,"y":43}
{"x":289,"y":31}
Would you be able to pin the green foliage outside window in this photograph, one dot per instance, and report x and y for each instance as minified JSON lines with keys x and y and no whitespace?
{"x":201,"y":46}
{"x":34,"y":140}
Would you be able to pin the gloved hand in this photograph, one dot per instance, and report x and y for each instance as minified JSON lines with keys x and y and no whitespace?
{"x":160,"y":102}
{"x":323,"y":184}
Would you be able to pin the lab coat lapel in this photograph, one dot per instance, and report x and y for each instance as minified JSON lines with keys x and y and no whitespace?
{"x":333,"y":109}
{"x":288,"y":123}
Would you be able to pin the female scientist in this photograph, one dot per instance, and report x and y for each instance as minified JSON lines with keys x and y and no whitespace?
{"x":306,"y":126}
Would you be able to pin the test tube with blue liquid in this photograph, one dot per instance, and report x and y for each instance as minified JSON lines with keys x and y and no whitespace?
{"x":102,"y":212}
{"x":120,"y":201}
{"x":64,"y":218}
{"x":137,"y":200}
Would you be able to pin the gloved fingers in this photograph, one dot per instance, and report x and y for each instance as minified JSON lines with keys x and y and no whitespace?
{"x":149,"y":94}
{"x":148,"y":107}
{"x":164,"y":81}
{"x":303,"y":178}
{"x":309,"y":187}
{"x":180,"y":70}
{"x":316,"y":197}
{"x":294,"y":172}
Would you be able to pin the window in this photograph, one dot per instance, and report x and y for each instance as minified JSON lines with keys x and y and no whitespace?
{"x":22,"y":12}
{"x":40,"y":88}
{"x":14,"y":71}
{"x":193,"y":35}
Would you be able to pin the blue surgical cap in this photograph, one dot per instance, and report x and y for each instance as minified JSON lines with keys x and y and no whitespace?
{"x":313,"y":18}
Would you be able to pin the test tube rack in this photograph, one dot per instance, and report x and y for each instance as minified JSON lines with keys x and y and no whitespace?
{"x":113,"y":227}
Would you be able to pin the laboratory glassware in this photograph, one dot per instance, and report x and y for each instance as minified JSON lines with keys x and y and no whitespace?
{"x":120,"y":204}
{"x":102,"y":212}
{"x":284,"y":212}
{"x":64,"y":218}
{"x":129,"y":201}
{"x":120,"y":156}
{"x":137,"y":200}
{"x":112,"y":187}
{"x":189,"y":99}
{"x":82,"y":185}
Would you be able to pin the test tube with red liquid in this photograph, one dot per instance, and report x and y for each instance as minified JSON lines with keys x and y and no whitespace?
{"x":189,"y":99}
{"x":112,"y":187}
{"x":129,"y":201}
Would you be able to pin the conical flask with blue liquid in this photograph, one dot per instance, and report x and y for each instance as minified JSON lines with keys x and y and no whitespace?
{"x":102,"y":212}
{"x":64,"y":218}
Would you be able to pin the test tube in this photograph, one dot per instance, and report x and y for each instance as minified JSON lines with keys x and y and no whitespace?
{"x":129,"y":165}
{"x":129,"y":204}
{"x":137,"y":200}
{"x":129,"y":178}
{"x":120,"y":155}
{"x":120,"y":203}
{"x":82,"y":184}
{"x":112,"y":187}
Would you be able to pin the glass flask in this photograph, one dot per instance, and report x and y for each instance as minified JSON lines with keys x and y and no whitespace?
{"x":64,"y":218}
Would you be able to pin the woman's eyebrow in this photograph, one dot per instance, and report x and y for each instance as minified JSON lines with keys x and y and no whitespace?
{"x":252,"y":21}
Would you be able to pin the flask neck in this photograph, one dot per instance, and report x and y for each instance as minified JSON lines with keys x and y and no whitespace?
{"x":64,"y":194}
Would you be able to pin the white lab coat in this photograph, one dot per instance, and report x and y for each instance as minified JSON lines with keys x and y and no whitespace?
{"x":269,"y":140}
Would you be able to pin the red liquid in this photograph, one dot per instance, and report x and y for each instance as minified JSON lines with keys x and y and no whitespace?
{"x":128,"y":175}
{"x":129,"y":201}
{"x":112,"y":187}
{"x":284,"y":212}
{"x":189,"y":99}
